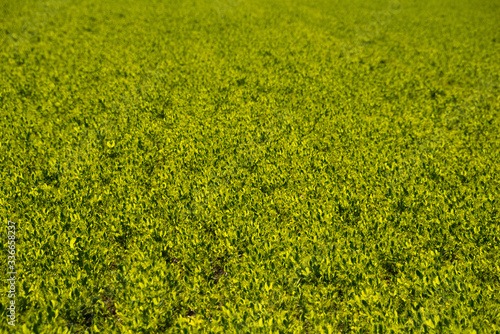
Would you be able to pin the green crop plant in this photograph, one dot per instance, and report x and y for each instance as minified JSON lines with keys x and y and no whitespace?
{"x":250,"y":166}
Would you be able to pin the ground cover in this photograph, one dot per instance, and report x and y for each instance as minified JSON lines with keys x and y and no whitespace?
{"x":250,"y":166}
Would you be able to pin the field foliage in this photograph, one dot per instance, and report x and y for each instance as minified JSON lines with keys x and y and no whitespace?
{"x":251,"y":166}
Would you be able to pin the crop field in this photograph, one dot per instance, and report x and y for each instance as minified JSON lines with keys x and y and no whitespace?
{"x":250,"y":166}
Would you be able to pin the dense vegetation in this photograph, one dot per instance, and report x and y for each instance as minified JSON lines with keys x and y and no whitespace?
{"x":251,"y":166}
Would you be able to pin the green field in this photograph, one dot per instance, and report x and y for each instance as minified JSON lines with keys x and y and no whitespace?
{"x":250,"y":166}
